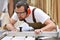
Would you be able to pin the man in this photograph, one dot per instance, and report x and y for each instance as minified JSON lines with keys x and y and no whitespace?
{"x":30,"y":14}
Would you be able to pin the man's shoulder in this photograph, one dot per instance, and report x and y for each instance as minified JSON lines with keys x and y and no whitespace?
{"x":14,"y":13}
{"x":37,"y":9}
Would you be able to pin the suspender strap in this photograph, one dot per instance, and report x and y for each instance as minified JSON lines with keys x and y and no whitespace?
{"x":33,"y":15}
{"x":24,"y":20}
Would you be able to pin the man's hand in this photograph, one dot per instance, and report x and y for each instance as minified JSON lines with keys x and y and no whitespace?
{"x":15,"y":30}
{"x":37,"y":31}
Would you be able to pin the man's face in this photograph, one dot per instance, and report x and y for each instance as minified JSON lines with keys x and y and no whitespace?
{"x":21,"y":13}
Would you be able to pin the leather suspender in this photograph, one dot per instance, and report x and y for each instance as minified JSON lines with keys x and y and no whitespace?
{"x":33,"y":15}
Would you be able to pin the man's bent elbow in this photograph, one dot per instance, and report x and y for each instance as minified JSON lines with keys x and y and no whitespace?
{"x":53,"y":26}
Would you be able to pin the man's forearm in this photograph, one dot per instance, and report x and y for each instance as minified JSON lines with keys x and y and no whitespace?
{"x":48,"y":27}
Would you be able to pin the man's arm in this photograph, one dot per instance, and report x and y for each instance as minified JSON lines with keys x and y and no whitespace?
{"x":10,"y":26}
{"x":49,"y":26}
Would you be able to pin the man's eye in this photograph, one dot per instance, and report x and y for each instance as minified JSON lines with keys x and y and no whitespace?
{"x":20,"y":12}
{"x":17,"y":12}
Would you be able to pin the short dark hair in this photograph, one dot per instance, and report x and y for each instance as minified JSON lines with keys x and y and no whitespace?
{"x":23,"y":3}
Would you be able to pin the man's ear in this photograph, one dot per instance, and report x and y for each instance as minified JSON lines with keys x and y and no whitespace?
{"x":29,"y":11}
